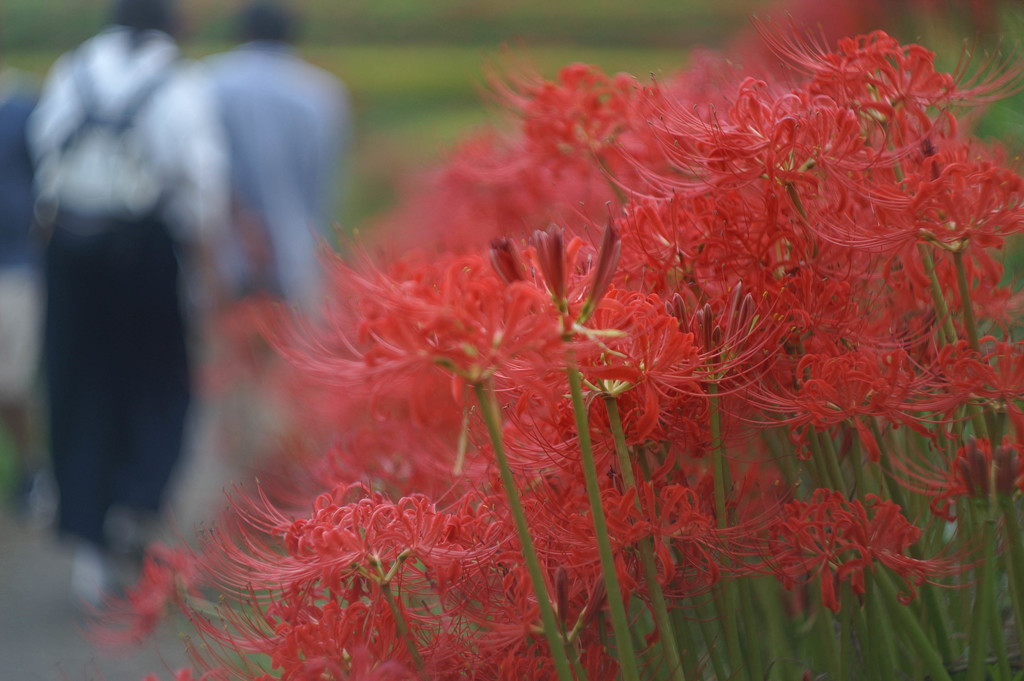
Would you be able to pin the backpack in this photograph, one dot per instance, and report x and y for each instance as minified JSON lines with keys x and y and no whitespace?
{"x":100,"y":173}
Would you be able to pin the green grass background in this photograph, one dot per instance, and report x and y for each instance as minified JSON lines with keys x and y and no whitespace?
{"x":415,"y":68}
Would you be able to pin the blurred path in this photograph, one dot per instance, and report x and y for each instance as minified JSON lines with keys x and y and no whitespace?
{"x":40,"y":626}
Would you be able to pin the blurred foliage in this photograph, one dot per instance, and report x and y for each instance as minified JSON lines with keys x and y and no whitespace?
{"x":62,"y":23}
{"x":416,"y":70}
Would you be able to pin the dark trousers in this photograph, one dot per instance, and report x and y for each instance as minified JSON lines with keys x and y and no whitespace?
{"x":117,"y":370}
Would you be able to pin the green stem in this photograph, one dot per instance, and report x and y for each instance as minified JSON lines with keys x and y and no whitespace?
{"x":827,"y":637}
{"x":878,"y":604}
{"x":847,"y":603}
{"x":949,"y":331}
{"x":620,"y":625}
{"x":581,"y":673}
{"x":400,"y":625}
{"x":1014,"y":557}
{"x":937,"y":617}
{"x":971,"y":325}
{"x":776,"y":628}
{"x":866,"y":637}
{"x":821,"y":471}
{"x":783,"y":459}
{"x":832,"y":461}
{"x":687,"y":645}
{"x":983,"y":603}
{"x":871,"y":665}
{"x":720,"y":467}
{"x":941,"y":308}
{"x":489,"y":407}
{"x":727,"y":597}
{"x":857,"y":464}
{"x":704,"y":619}
{"x":965,"y":537}
{"x":754,"y":660}
{"x":999,"y":639}
{"x":667,"y":636}
{"x":911,"y":629}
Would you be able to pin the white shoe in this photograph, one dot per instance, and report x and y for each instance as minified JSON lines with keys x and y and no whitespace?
{"x":129,"y":531}
{"x":93,"y":578}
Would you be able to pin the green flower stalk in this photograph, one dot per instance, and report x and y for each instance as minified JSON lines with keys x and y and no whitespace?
{"x":489,"y":406}
{"x":728,"y":598}
{"x":983,"y":603}
{"x":910,"y":628}
{"x":1013,"y":556}
{"x":667,"y":635}
{"x":620,"y":625}
{"x":981,"y":425}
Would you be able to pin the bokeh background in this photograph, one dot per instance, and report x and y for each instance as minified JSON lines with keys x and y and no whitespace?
{"x":417,"y":69}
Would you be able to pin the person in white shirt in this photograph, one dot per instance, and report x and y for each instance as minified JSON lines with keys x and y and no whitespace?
{"x":116,"y":350}
{"x":288,"y":125}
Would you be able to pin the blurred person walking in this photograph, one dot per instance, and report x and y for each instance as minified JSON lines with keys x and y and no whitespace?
{"x":131,"y":171}
{"x":288,"y":125}
{"x":21,"y":299}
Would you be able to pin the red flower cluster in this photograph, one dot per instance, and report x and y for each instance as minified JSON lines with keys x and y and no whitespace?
{"x":834,"y":539}
{"x":807,"y":261}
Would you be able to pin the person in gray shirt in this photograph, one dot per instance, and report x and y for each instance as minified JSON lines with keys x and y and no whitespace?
{"x":288,"y":125}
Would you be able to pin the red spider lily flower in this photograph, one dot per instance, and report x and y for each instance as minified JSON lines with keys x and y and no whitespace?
{"x":900,"y":82}
{"x":738,"y":342}
{"x":187,"y":674}
{"x":969,"y":198}
{"x":693,"y":552}
{"x":993,"y":473}
{"x":957,"y":195}
{"x":851,"y":387}
{"x":564,"y":268}
{"x":656,"y":242}
{"x":457,"y":315}
{"x":648,"y":364}
{"x":712,"y":335}
{"x":760,"y":265}
{"x":574,"y":119}
{"x":169,"y":578}
{"x":976,"y":471}
{"x":837,"y":540}
{"x":564,"y":163}
{"x":555,"y":260}
{"x":322,"y":580}
{"x":995,"y":375}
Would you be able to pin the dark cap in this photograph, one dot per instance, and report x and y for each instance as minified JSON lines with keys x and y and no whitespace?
{"x":144,"y":15}
{"x":266,"y":20}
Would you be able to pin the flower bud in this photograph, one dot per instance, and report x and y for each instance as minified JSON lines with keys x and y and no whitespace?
{"x":561,"y":593}
{"x":506,"y":261}
{"x":677,"y":308}
{"x":550,"y":247}
{"x":607,"y":261}
{"x":1007,"y":467}
{"x":704,"y":320}
{"x":595,"y":602}
{"x":973,"y":469}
